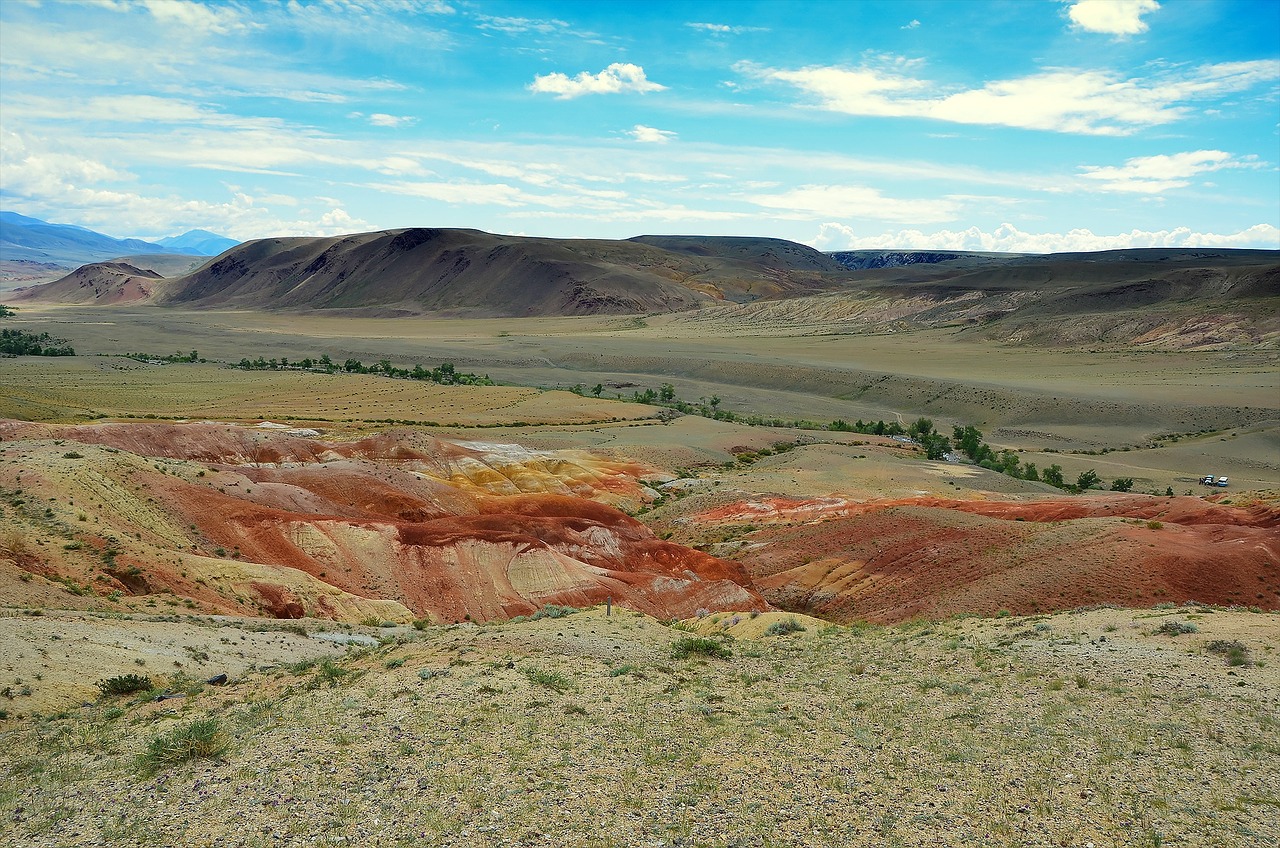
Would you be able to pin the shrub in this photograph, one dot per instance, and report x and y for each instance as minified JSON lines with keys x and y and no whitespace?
{"x":782,"y":628}
{"x":1235,"y":652}
{"x":125,"y":684}
{"x":686,"y":645}
{"x":553,"y":611}
{"x":1177,"y":628}
{"x":201,"y":738}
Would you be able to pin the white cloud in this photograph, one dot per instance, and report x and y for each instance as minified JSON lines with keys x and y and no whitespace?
{"x":184,"y":15}
{"x":1155,"y":174}
{"x":67,"y":187}
{"x":650,"y":135}
{"x":615,"y":79}
{"x":380,"y":119}
{"x":725,"y":29}
{"x":1114,"y":17}
{"x":914,"y":24}
{"x":1009,"y":239}
{"x":517,"y":26}
{"x":858,"y":202}
{"x":495,"y":194}
{"x":1089,"y":102}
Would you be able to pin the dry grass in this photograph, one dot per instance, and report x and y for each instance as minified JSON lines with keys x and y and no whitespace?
{"x":73,"y":389}
{"x":966,"y":731}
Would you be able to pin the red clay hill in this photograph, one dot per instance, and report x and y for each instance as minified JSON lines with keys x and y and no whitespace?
{"x":400,"y":526}
{"x":239,"y":519}
{"x":890,"y":560}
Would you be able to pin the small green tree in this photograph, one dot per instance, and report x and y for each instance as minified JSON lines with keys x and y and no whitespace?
{"x":597,"y":389}
{"x":667,"y":392}
{"x":1087,"y":480}
{"x":1122,"y":484}
{"x":1053,"y":476}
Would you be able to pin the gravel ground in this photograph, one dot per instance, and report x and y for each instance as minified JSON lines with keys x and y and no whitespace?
{"x":1092,"y":728}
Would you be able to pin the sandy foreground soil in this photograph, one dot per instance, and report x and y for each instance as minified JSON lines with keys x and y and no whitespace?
{"x":1096,"y":727}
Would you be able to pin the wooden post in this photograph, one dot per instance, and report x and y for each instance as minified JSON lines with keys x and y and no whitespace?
{"x":608,"y":605}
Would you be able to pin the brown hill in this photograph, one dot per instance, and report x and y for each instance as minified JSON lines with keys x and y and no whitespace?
{"x":1160,"y":297}
{"x":469,"y":272}
{"x":1168,"y":298}
{"x":99,"y":282}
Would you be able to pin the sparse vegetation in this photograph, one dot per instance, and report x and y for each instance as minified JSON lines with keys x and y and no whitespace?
{"x":783,"y":627}
{"x":125,"y":684}
{"x":1233,"y":650}
{"x":687,"y":646}
{"x":1170,"y":627}
{"x":202,"y":737}
{"x":553,"y":680}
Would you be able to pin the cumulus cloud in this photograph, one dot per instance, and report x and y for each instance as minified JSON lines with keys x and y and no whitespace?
{"x":855,"y":202}
{"x":617,"y":78}
{"x":1154,"y":174}
{"x":650,"y":135}
{"x":1009,"y":239}
{"x":913,"y":24}
{"x":1088,"y":102}
{"x":1114,"y":17}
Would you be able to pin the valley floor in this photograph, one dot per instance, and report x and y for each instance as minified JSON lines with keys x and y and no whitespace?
{"x":1107,"y":727}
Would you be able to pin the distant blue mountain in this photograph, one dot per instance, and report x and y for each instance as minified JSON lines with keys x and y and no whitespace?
{"x":200,"y":242}
{"x":26,"y":238}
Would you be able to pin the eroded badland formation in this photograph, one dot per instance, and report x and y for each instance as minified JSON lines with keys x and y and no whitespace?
{"x":663,"y":555}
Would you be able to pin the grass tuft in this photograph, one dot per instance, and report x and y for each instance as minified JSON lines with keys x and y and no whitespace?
{"x":688,"y":645}
{"x":553,"y":680}
{"x":200,"y":738}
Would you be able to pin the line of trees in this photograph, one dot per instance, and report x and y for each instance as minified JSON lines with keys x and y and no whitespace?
{"x":968,"y":440}
{"x":921,"y":431}
{"x":193,"y":356}
{"x":445,"y":375}
{"x":21,"y":343}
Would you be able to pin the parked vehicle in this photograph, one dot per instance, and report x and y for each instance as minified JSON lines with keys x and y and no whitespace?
{"x":1223,"y":482}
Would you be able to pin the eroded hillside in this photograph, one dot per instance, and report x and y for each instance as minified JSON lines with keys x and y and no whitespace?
{"x":401,"y":526}
{"x":397,"y":527}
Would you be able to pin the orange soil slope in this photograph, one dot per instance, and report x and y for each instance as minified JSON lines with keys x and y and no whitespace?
{"x":892,"y":560}
{"x":446,"y":530}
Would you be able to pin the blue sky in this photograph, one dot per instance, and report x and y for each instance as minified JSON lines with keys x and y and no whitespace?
{"x":1027,"y":125}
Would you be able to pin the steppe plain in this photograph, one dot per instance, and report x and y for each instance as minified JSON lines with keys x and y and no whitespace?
{"x":1096,"y":726}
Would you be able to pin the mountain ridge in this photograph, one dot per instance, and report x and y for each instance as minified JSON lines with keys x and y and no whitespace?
{"x":27,"y":239}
